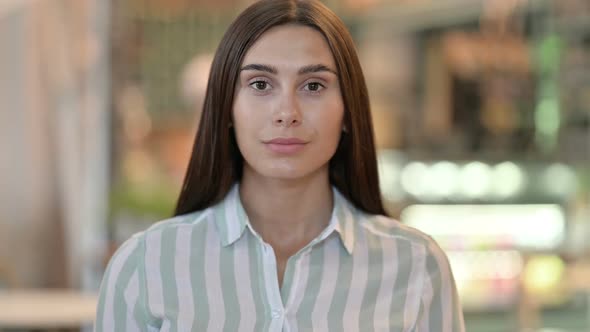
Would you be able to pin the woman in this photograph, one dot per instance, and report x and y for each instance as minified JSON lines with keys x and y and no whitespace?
{"x":280,"y":225}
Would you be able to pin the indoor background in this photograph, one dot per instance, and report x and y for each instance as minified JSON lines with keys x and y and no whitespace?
{"x":481,"y":110}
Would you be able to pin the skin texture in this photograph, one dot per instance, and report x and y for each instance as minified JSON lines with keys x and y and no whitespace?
{"x":288,"y":89}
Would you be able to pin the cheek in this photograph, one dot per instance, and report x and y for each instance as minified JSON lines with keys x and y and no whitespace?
{"x":245,"y":120}
{"x":329,"y":122}
{"x":237,"y":119}
{"x":241,"y":112}
{"x":241,"y":131}
{"x":239,"y":109}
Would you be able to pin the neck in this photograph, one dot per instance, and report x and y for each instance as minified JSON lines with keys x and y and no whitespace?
{"x":287,"y":214}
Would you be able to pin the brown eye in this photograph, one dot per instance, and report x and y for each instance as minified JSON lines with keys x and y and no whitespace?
{"x":260,"y":85}
{"x":315,"y":87}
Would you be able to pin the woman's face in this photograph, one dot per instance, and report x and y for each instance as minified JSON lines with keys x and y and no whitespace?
{"x":288,"y":109}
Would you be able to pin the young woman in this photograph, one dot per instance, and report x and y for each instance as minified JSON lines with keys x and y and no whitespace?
{"x":280,"y":225}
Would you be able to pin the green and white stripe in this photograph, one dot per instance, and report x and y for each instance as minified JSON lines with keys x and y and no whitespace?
{"x":210,"y":271}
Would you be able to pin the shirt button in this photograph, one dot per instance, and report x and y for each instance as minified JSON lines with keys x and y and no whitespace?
{"x":276,"y":313}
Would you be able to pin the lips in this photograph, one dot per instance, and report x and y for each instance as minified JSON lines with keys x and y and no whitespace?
{"x":285,"y":145}
{"x":286,"y":141}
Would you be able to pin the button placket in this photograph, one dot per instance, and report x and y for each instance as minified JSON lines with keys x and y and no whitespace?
{"x":270,"y":271}
{"x":277,"y":313}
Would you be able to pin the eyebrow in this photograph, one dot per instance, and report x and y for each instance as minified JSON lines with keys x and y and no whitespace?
{"x":316,"y":68}
{"x":259,"y":67}
{"x":303,"y":70}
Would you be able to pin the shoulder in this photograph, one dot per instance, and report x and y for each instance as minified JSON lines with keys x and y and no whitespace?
{"x":186,"y":220}
{"x":134,"y":248}
{"x":393,"y":231}
{"x":390,"y":229}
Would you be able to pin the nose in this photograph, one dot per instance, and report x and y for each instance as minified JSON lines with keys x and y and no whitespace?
{"x":287,"y":113}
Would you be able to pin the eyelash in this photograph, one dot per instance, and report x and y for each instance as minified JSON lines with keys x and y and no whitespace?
{"x":258,"y":81}
{"x":320,"y":87}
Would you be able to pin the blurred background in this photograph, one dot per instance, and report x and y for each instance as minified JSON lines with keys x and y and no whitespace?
{"x":482,"y":119}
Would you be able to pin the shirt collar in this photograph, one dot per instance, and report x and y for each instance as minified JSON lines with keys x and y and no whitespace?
{"x":231,"y":219}
{"x":344,"y":219}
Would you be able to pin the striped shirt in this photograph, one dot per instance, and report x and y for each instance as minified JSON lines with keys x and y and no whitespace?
{"x":210,"y":271}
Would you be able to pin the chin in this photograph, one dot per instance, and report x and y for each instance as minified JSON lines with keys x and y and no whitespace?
{"x":283,"y":173}
{"x":286,"y":170}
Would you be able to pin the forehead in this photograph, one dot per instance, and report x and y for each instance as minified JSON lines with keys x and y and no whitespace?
{"x":290,"y":45}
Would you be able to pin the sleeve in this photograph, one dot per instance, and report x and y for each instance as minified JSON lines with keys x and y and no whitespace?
{"x":440,"y":307}
{"x":121,"y":301}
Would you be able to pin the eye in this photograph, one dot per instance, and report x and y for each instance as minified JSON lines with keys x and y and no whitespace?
{"x":314,"y":86}
{"x":260,"y":85}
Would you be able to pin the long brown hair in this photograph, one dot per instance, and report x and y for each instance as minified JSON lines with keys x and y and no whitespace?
{"x":216,"y":162}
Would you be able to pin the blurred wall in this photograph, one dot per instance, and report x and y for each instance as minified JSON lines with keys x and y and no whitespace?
{"x":54,"y":150}
{"x":31,"y":251}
